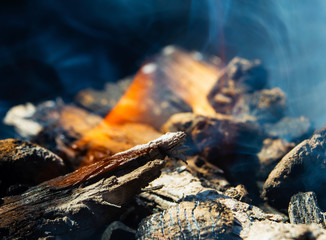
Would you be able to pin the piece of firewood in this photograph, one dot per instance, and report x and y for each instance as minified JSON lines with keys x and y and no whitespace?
{"x":166,"y":85}
{"x":303,"y":208}
{"x":74,"y":206}
{"x":191,"y":220}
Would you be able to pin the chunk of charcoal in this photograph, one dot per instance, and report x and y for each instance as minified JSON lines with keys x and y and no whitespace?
{"x":267,"y":105}
{"x":213,"y":137}
{"x":272,"y":152}
{"x":273,"y":230}
{"x":190,"y":220}
{"x":26,"y":164}
{"x":303,"y":208}
{"x":229,"y":144}
{"x":252,"y":74}
{"x":240,"y":76}
{"x":301,"y":170}
{"x":171,"y":187}
{"x":291,"y":129}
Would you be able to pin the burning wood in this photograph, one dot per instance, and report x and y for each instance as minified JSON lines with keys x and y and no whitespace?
{"x":237,"y":130}
{"x":63,"y":206}
{"x":165,"y":86}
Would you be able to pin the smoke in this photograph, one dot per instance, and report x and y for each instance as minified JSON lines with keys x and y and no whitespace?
{"x":87,"y":43}
{"x":289,"y":37}
{"x":305,"y":82}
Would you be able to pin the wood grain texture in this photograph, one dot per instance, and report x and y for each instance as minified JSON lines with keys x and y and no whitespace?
{"x":74,"y":206}
{"x":190,"y":220}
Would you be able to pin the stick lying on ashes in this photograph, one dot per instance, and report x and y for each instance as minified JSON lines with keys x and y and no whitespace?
{"x":77,"y":204}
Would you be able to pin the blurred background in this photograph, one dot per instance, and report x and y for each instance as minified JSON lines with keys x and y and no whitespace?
{"x":55,"y":48}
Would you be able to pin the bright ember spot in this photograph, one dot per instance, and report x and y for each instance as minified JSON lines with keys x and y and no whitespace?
{"x":173,"y":81}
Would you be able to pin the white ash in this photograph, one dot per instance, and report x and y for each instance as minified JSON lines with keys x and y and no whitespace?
{"x":18,"y":117}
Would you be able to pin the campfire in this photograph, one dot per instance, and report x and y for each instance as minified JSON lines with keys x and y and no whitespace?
{"x":190,"y":146}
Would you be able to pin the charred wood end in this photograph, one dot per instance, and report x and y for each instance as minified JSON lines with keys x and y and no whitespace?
{"x":169,"y":144}
{"x":56,"y":208}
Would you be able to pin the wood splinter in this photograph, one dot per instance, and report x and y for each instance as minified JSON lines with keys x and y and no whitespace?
{"x":77,"y":204}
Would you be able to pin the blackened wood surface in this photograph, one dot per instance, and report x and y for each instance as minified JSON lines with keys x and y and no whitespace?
{"x":303,"y":208}
{"x":74,"y":206}
{"x":190,"y":220}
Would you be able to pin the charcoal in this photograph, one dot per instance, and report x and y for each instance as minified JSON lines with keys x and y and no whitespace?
{"x":291,"y":129}
{"x":240,"y":76}
{"x":191,"y":220}
{"x":239,"y":193}
{"x":102,"y":101}
{"x":76,"y":205}
{"x":272,"y":152}
{"x":303,"y":208}
{"x":209,"y":174}
{"x":301,"y":170}
{"x":215,"y":137}
{"x":241,"y":92}
{"x":274,"y":230}
{"x":229,"y":144}
{"x":264,"y":106}
{"x":248,"y":215}
{"x":171,"y":187}
{"x":24,"y":164}
{"x":245,"y":216}
{"x":250,"y":74}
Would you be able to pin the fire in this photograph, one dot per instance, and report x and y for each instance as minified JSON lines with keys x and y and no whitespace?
{"x":174,"y":74}
{"x":174,"y":81}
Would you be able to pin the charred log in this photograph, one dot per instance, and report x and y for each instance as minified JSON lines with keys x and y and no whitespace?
{"x":77,"y":204}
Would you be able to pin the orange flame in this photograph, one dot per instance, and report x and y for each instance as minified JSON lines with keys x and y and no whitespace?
{"x":172,"y":82}
{"x":173,"y":74}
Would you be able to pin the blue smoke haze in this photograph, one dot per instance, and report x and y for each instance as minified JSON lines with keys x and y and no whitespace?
{"x":56,"y":48}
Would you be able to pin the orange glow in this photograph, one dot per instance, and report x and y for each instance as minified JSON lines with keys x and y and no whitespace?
{"x":108,"y":139}
{"x":172,"y":74}
{"x":174,"y":81}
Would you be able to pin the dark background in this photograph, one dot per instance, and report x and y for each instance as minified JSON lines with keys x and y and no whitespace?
{"x":55,"y":48}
